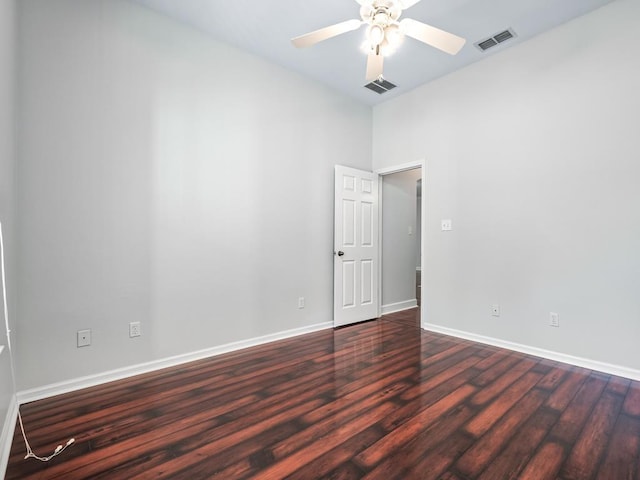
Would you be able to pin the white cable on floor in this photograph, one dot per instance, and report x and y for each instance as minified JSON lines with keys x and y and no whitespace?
{"x":59,"y":449}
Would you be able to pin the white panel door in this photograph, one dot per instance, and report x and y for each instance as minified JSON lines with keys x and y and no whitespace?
{"x":355,"y":281}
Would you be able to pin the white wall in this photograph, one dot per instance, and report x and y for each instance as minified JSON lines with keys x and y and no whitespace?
{"x":7,"y":156}
{"x":169,"y":179}
{"x":398,"y":246}
{"x":534,"y":155}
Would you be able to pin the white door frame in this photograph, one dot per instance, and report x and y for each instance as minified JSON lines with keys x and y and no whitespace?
{"x":422,"y":163}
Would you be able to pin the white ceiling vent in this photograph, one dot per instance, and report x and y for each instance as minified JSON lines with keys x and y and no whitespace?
{"x":496,"y":39}
{"x":380,"y":86}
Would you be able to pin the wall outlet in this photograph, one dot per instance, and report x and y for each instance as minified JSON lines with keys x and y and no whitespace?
{"x":554,"y":319}
{"x":134,"y":329}
{"x":301,"y":302}
{"x":446,"y":224}
{"x":495,"y":310}
{"x":84,"y":338}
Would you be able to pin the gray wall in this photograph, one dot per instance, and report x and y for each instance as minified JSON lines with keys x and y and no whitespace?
{"x":533,"y":153}
{"x":7,"y":156}
{"x":398,"y":246}
{"x":169,"y":179}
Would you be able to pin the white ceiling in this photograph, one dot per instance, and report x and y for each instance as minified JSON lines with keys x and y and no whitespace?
{"x":265,"y":27}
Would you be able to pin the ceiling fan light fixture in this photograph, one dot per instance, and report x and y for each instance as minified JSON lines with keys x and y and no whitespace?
{"x":386,"y":49}
{"x":393,"y":35}
{"x":375,"y":34}
{"x":393,"y":38}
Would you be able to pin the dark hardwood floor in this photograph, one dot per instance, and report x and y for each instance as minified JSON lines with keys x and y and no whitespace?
{"x":376,"y":400}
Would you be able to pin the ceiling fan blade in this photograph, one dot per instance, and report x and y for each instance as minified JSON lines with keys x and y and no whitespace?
{"x":324,"y":33}
{"x":374,"y":66}
{"x":445,"y":41}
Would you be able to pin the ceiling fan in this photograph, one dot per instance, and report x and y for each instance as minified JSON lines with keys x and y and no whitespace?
{"x":385,"y":32}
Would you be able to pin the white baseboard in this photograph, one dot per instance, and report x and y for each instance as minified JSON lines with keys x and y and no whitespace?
{"x":618,"y":370}
{"x":91,"y":380}
{"x":6,"y":437}
{"x":399,"y":306}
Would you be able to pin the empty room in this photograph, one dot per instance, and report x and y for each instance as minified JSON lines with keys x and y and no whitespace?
{"x":339,"y":239}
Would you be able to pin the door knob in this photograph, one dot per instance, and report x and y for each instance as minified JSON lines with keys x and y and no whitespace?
{"x":340,"y":253}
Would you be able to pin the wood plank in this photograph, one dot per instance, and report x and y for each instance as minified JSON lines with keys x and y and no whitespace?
{"x":496,"y":409}
{"x":621,"y":461}
{"x":476,"y":458}
{"x":497,"y":369}
{"x":450,"y":476}
{"x":619,"y":385}
{"x":554,"y":377}
{"x":577,"y":412}
{"x":545,"y":464}
{"x":446,"y":370}
{"x":322,"y":466}
{"x":289,"y":464}
{"x":409,"y":455}
{"x":346,"y":471}
{"x":406,"y":411}
{"x":590,"y":446}
{"x":440,"y":459}
{"x":408,"y":430}
{"x":565,"y":392}
{"x":514,"y":457}
{"x":492,"y":390}
{"x":632,"y":400}
{"x":491,"y":360}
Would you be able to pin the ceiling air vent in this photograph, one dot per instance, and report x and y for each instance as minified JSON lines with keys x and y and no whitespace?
{"x":380,"y":86}
{"x":497,"y":39}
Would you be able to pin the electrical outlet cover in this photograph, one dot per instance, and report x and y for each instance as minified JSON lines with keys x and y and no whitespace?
{"x":134,"y":329}
{"x":84,"y":338}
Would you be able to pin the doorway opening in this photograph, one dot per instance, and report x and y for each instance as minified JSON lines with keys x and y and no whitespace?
{"x":401,"y":207}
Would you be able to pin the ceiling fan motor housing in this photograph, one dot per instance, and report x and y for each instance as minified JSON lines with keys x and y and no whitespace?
{"x":380,"y":12}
